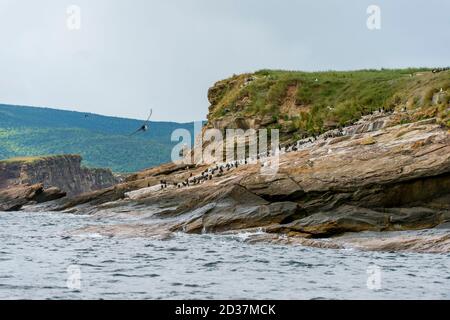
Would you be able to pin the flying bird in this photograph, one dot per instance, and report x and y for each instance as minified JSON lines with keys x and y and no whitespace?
{"x":145,"y":126}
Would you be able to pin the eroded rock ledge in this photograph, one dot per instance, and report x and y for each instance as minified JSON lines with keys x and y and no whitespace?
{"x":398,"y":181}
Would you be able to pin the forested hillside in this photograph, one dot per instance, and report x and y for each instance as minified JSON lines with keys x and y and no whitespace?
{"x":101,"y":141}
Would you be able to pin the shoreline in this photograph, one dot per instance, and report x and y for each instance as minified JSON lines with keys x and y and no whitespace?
{"x":303,"y":203}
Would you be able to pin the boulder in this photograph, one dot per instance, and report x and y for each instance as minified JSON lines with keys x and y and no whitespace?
{"x":334,"y":186}
{"x":12,"y":199}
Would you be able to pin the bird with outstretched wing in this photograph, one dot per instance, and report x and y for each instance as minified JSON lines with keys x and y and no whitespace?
{"x":145,"y":125}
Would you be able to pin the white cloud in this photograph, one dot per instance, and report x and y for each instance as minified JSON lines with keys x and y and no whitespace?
{"x":165,"y":54}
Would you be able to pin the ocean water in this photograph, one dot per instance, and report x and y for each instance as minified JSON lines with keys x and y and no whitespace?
{"x":38,"y":260}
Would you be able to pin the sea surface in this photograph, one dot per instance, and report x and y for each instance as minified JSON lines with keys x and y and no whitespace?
{"x":40,"y":260}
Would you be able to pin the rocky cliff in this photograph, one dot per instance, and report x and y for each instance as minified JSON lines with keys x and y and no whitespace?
{"x":378,"y":178}
{"x":389,"y":170}
{"x":64,"y":172}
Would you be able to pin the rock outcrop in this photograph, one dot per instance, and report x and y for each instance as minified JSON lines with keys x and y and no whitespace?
{"x":14,"y":197}
{"x":399,"y":181}
{"x":64,"y":172}
{"x":387,"y":172}
{"x":37,"y":180}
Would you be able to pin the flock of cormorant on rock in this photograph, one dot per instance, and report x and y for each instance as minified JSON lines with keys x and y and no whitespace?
{"x":219,"y":170}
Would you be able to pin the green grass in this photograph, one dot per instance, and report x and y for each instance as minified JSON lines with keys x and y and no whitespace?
{"x":33,"y":159}
{"x":324,"y":99}
{"x":23,"y":160}
{"x":103,"y":142}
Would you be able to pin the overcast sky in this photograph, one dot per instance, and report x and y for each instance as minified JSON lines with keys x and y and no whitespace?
{"x":129,"y":56}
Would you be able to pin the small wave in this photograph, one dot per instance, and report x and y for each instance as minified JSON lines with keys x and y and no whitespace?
{"x":89,"y":235}
{"x":298,"y":264}
{"x":174,"y":249}
{"x":108,"y":261}
{"x":125,"y":275}
{"x":90,"y":265}
{"x":212,"y":264}
{"x":262,"y":261}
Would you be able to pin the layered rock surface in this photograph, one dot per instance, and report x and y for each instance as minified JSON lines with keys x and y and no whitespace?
{"x":64,"y":172}
{"x":38,"y":180}
{"x":389,"y":172}
{"x":13,"y":198}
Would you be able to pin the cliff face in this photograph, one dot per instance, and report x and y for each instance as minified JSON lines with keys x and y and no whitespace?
{"x":64,"y":172}
{"x":389,"y":170}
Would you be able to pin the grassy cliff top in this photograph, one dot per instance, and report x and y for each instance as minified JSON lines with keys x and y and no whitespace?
{"x":316,"y":101}
{"x":29,"y":160}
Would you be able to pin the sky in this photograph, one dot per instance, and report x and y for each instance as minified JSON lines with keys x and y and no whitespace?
{"x":130,"y":56}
